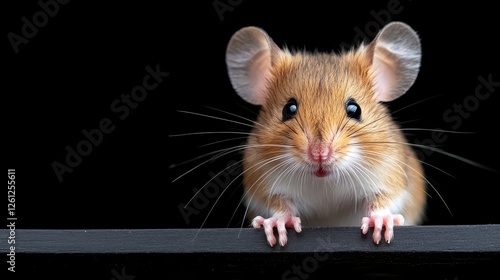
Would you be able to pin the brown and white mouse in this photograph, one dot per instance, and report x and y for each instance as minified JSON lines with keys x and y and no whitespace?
{"x":324,"y":150}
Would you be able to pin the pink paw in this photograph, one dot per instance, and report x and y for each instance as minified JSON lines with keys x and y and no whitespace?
{"x":381,"y":219}
{"x":280,"y":221}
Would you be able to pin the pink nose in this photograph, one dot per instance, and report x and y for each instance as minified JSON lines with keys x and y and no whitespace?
{"x":319,"y":152}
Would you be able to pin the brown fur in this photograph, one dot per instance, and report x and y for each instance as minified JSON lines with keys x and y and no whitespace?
{"x":321,"y":84}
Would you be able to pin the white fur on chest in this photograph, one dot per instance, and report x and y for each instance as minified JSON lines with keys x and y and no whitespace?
{"x":335,"y":200}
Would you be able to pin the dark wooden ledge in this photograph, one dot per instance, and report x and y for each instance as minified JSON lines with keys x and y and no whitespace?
{"x":448,"y":251}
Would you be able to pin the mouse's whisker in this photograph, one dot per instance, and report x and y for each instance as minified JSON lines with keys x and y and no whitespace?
{"x":300,"y":125}
{"x":363,"y":127}
{"x":218,"y":154}
{"x":409,"y":132}
{"x":297,"y":174}
{"x":395,"y":162}
{"x":346,"y":179}
{"x":253,"y":169}
{"x":214,"y":176}
{"x":288,"y":164}
{"x":217,"y":200}
{"x":238,"y":116}
{"x":305,"y":177}
{"x":423,"y":162}
{"x":212,"y":132}
{"x":216,"y":118}
{"x":365,"y":173}
{"x":245,"y":214}
{"x":434,"y":149}
{"x":210,"y":143}
{"x":423,"y":177}
{"x":436,"y":130}
{"x":219,"y":197}
{"x":297,"y":168}
{"x":271,"y":171}
{"x":416,"y":103}
{"x":343,"y":122}
{"x":241,"y":201}
{"x":353,"y":187}
{"x":277,"y":168}
{"x":455,"y":156}
{"x":222,"y":141}
{"x":386,"y":129}
{"x":392,"y":113}
{"x":269,"y":145}
{"x":254,"y":185}
{"x":249,"y":201}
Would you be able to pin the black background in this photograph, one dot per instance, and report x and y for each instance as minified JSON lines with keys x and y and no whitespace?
{"x":66,"y":77}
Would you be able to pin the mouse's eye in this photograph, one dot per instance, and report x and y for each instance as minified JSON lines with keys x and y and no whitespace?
{"x":290,"y":109}
{"x":353,"y":110}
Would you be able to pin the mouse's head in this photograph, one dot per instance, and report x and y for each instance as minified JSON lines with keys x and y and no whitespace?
{"x":324,"y":110}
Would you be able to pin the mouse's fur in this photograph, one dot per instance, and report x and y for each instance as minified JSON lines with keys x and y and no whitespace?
{"x":370,"y":157}
{"x":369,"y":166}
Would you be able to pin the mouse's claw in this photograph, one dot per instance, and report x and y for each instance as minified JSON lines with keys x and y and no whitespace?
{"x":381,"y":219}
{"x":280,"y":221}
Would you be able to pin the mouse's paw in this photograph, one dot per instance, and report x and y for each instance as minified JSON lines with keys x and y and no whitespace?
{"x":280,"y":221}
{"x":381,"y":219}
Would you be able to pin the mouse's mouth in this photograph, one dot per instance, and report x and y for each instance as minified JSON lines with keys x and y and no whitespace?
{"x":320,"y":171}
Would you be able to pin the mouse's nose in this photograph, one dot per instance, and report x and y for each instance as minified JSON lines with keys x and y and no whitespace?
{"x":319,"y":151}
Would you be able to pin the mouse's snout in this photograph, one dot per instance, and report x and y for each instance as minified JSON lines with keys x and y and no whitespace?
{"x":319,"y":152}
{"x":320,"y":155}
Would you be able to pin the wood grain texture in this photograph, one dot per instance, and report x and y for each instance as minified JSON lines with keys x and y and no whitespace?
{"x":472,"y":238}
{"x":435,"y":252}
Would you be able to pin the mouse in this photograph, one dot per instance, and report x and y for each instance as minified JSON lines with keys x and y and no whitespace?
{"x":324,"y":150}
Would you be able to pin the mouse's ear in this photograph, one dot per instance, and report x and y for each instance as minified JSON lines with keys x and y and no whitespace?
{"x":248,"y":59}
{"x":396,"y":55}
